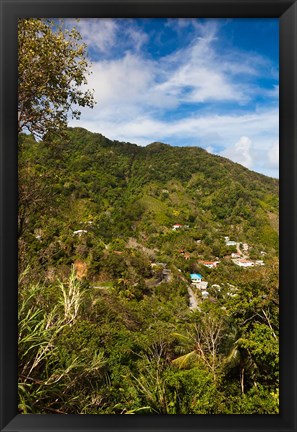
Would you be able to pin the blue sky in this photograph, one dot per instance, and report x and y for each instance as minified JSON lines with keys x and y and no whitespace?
{"x":211,"y":83}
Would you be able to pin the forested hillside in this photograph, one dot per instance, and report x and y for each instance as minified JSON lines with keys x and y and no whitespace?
{"x":113,"y":239}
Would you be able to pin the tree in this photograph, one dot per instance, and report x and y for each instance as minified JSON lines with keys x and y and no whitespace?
{"x":52,"y":66}
{"x":202,"y":343}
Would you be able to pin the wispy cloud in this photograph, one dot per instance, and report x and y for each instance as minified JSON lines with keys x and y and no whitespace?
{"x":240,"y":152}
{"x":107,"y":35}
{"x":197,"y":94}
{"x":98,"y":33}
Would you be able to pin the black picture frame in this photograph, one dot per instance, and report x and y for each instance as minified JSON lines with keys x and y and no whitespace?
{"x":286,"y":11}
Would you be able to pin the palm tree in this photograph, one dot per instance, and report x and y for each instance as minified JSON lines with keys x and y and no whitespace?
{"x":240,"y":357}
{"x":202,"y":343}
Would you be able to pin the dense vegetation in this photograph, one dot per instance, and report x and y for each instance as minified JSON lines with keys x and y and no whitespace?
{"x":105,"y":325}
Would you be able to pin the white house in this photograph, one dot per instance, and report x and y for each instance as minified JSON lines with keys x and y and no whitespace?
{"x":176,"y":226}
{"x":79,"y":232}
{"x":203,"y":286}
{"x":210,"y":264}
{"x":196,"y":281}
{"x":243,"y":263}
{"x":196,"y":278}
{"x":230,"y":243}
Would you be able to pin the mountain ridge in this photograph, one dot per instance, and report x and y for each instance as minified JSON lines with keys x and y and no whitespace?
{"x":127,"y":191}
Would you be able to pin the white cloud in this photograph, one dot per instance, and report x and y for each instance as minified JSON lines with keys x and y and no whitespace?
{"x":240,"y":152}
{"x":121,"y":81}
{"x":105,"y":34}
{"x":249,"y":139}
{"x":195,"y":74}
{"x":210,"y":149}
{"x":100,"y":33}
{"x":198,"y":73}
{"x":137,"y":95}
{"x":273,"y":155}
{"x":138,"y":38}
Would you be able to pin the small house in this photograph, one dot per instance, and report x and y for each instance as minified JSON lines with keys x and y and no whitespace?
{"x":195,"y":278}
{"x":244,"y":263}
{"x":79,"y":232}
{"x":230,"y":243}
{"x":203,"y":286}
{"x":176,"y":226}
{"x":210,"y":264}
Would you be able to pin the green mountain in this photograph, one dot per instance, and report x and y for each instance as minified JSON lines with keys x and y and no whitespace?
{"x":121,"y":190}
{"x":128,"y":332}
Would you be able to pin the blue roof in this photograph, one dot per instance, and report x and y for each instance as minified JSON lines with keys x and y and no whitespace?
{"x":195,"y":276}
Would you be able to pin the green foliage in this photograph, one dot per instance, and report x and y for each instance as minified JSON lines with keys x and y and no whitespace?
{"x":48,"y":374}
{"x":119,"y":337}
{"x":51,"y":68}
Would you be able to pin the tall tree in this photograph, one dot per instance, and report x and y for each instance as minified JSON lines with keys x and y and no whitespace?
{"x":52,"y":69}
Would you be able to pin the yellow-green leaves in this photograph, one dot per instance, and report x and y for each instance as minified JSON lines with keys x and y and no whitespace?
{"x":52,"y":66}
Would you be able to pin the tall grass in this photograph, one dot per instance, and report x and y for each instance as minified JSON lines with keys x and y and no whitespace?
{"x":47,"y":375}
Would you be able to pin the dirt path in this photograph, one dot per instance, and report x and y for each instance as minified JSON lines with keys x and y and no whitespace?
{"x":193,"y":300}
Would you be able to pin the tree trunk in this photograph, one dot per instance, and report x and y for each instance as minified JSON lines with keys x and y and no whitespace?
{"x":242,"y":380}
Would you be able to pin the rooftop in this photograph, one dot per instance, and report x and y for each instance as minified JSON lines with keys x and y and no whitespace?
{"x":195,"y":276}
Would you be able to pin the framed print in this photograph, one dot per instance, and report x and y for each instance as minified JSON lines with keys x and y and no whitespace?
{"x":148,"y":195}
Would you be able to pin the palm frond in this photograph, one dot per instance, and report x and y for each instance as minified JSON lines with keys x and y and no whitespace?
{"x":186,"y":360}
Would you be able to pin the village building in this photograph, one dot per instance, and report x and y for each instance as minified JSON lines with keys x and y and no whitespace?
{"x":230,"y":243}
{"x":248,"y":263}
{"x":210,"y":264}
{"x":79,"y":232}
{"x":176,"y":227}
{"x":235,"y":255}
{"x":203,"y":285}
{"x":195,"y":278}
{"x":196,"y":281}
{"x":243,"y":263}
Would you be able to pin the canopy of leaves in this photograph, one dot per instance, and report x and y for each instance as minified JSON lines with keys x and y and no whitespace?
{"x":52,"y":69}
